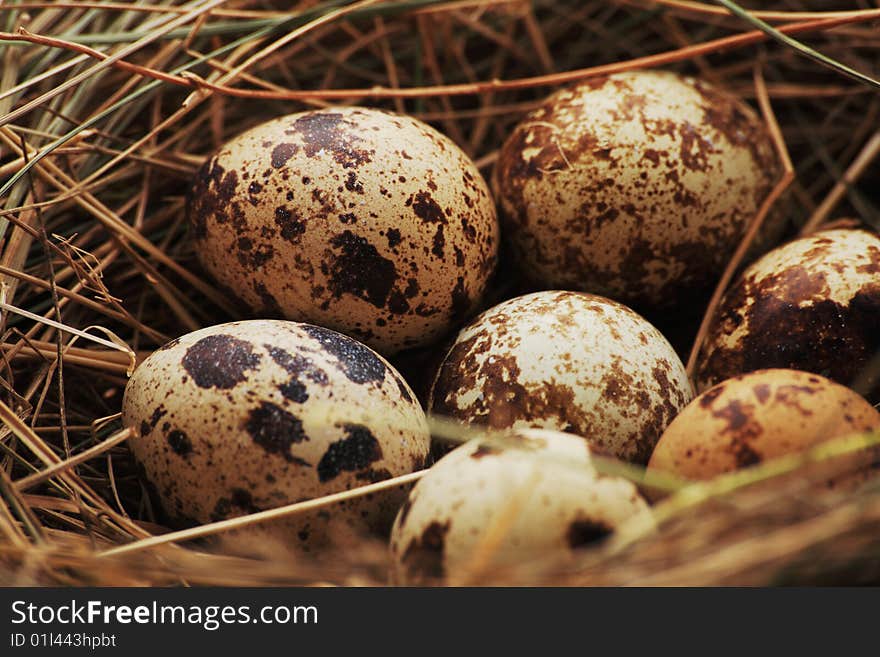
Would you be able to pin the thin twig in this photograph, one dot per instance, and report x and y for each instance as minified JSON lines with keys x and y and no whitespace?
{"x":858,"y":166}
{"x":38,"y":477}
{"x":214,"y":528}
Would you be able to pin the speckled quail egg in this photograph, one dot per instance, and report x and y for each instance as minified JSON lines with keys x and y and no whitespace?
{"x":812,"y":304}
{"x":252,"y":415}
{"x":567,"y":361}
{"x":759,"y":416}
{"x":488,"y":505}
{"x":357,"y":219}
{"x":637,"y":185}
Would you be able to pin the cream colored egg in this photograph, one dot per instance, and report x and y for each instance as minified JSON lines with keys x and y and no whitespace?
{"x":637,"y":186}
{"x":812,"y":304}
{"x":487,"y":506}
{"x":361,"y":220}
{"x":567,"y":361}
{"x":253,"y":415}
{"x":756,"y":417}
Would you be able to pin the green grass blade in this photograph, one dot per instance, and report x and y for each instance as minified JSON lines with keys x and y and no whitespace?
{"x":796,"y":45}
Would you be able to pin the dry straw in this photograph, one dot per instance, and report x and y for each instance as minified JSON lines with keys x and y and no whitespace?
{"x":108,"y":108}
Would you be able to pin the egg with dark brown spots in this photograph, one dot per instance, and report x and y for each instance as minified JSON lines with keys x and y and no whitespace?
{"x":812,"y":304}
{"x":491,"y":505}
{"x":637,"y":186}
{"x":749,"y":419}
{"x":358,"y":219}
{"x":252,"y":415}
{"x":567,"y":361}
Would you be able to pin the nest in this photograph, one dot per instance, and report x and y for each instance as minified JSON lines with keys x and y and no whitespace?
{"x":108,"y":109}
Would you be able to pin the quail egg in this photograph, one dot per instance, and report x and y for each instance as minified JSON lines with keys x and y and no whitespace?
{"x":253,"y":415}
{"x":567,"y":361}
{"x":637,"y":186}
{"x":357,"y":219}
{"x":759,"y":416}
{"x":487,"y":506}
{"x":812,"y":304}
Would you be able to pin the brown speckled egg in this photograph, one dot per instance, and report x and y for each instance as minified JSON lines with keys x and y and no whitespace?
{"x":812,"y":304}
{"x":489,"y":505}
{"x":637,"y":186}
{"x":759,"y":416}
{"x":567,"y":361}
{"x":357,"y":219}
{"x":253,"y":415}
